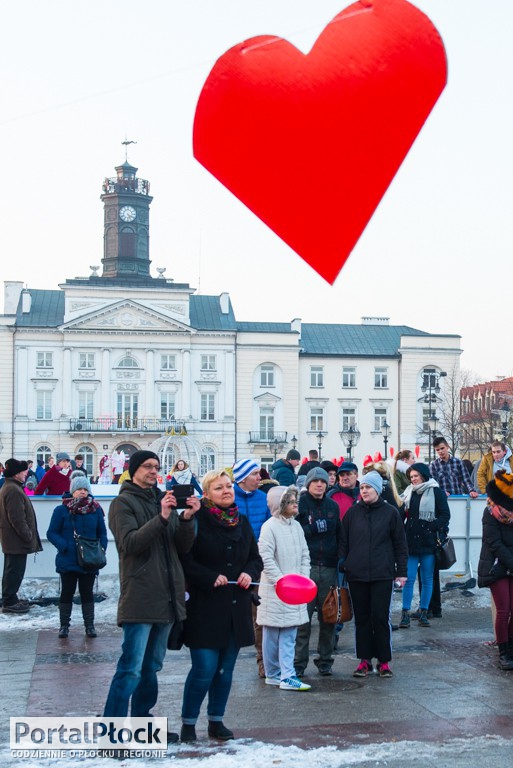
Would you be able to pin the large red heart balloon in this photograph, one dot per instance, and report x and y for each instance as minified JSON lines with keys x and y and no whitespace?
{"x":310,"y":143}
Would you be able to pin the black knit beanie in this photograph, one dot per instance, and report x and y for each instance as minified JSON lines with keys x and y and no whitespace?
{"x":138,"y":458}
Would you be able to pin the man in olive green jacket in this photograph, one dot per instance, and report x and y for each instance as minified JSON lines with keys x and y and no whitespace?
{"x":149,"y":536}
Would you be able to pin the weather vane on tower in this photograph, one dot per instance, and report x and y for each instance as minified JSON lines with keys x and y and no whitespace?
{"x":125,"y":143}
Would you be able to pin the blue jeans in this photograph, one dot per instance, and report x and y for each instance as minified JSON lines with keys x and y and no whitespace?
{"x":211,"y":672}
{"x":427,"y":566}
{"x":142,"y":655}
{"x":278,"y":649}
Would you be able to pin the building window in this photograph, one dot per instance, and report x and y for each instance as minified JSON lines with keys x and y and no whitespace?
{"x":429,"y":378}
{"x":266,"y":462}
{"x":85,"y":405}
{"x":316,"y":376}
{"x":316,"y":419}
{"x":43,"y":453}
{"x":207,"y":460}
{"x":44,"y":405}
{"x":348,"y":378}
{"x":86,"y":360}
{"x":167,"y":405}
{"x":380,"y":417}
{"x":381,"y":378}
{"x":266,"y":423}
{"x":127,"y":410}
{"x":128,"y":362}
{"x":207,"y":407}
{"x":208,"y":362}
{"x":267,"y":375}
{"x":45,"y":359}
{"x":88,"y":455}
{"x":348,"y":418}
{"x":168,"y":362}
{"x":169,"y":459}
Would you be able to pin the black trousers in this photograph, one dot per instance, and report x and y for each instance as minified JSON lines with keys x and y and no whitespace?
{"x":69,"y":582}
{"x":371,"y":608}
{"x":14,"y":571}
{"x":435,"y":604}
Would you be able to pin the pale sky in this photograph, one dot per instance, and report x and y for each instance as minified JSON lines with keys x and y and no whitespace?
{"x":75,"y":78}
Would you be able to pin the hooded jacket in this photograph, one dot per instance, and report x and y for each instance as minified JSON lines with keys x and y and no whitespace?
{"x":149,"y":548}
{"x":61,"y":533}
{"x":283,"y":471}
{"x":283,"y":549}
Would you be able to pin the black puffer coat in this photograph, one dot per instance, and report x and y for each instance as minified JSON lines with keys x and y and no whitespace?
{"x":420,"y":534}
{"x":324,"y":546}
{"x":497,"y":544}
{"x":373,"y":542}
{"x":214,"y":614}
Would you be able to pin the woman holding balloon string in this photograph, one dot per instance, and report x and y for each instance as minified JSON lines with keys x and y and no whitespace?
{"x":220,"y":570}
{"x":283,"y":548}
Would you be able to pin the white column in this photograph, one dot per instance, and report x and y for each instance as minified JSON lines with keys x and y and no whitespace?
{"x":105,"y":394}
{"x":186,"y":385}
{"x":66,"y":383}
{"x":229,"y":384}
{"x":22,"y":379}
{"x":150,"y":384}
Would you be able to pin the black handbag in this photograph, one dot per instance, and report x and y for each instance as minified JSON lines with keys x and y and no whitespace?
{"x":90,"y":553}
{"x":176,"y":636}
{"x":445,"y":554}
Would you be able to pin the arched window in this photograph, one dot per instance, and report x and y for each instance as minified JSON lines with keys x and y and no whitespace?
{"x":88,"y":455}
{"x":207,"y":460}
{"x":43,"y":453}
{"x":168,"y":459}
{"x":128,"y":362}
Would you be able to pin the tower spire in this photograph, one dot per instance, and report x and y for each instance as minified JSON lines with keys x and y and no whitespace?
{"x":125,"y":143}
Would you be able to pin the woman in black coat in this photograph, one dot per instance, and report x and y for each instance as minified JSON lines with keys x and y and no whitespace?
{"x":219,"y":569}
{"x":427,"y":518}
{"x":495,"y":568}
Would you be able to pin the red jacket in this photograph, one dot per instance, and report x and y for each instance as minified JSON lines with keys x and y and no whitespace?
{"x":54,"y":483}
{"x":344,"y":501}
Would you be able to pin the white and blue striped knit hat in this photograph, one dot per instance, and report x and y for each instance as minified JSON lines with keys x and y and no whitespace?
{"x":242,"y":468}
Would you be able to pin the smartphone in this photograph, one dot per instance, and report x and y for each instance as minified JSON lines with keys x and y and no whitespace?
{"x":182,"y":493}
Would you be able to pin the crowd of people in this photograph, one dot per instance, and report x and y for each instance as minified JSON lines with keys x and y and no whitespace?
{"x":229,"y":542}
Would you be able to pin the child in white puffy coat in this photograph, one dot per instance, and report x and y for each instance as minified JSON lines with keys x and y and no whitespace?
{"x":284,"y":550}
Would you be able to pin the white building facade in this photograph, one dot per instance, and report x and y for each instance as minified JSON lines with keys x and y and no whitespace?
{"x":126,"y":360}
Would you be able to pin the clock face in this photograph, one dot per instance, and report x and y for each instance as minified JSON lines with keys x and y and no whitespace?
{"x":127,"y":213}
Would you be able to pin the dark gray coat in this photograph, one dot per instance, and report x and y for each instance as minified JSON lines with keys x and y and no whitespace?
{"x":497,"y":544}
{"x":18,"y":524}
{"x":148,"y":547}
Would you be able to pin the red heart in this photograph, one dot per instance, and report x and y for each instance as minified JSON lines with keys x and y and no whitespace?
{"x":311,"y":143}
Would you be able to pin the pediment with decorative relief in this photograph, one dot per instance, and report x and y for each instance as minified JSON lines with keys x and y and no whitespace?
{"x":127,"y":316}
{"x":267,"y":397}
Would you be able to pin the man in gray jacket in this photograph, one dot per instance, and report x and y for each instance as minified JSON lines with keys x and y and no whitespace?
{"x":149,"y":536}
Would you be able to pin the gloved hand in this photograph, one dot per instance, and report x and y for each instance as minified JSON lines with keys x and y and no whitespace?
{"x":321,"y":525}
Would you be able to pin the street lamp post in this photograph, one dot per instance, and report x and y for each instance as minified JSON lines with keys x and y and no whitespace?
{"x":293,"y":440}
{"x":319,"y":443}
{"x":431,"y":388}
{"x":350,"y":438}
{"x":505,"y":413}
{"x":275,"y":446}
{"x":385,"y":431}
{"x":432,"y":424}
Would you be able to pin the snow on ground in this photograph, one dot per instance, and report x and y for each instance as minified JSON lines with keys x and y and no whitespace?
{"x":456,"y":753}
{"x":46,"y":617}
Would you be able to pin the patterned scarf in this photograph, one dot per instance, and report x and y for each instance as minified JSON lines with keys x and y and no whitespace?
{"x":502,"y":515}
{"x":227,"y":517}
{"x":81,"y":505}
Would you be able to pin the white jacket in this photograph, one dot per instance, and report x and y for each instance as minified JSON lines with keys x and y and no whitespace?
{"x":283,"y":548}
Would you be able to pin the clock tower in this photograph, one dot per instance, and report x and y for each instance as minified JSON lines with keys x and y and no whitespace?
{"x":126,"y":238}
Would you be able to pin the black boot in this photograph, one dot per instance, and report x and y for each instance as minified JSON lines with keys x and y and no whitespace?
{"x":64,"y":617}
{"x":88,"y":614}
{"x":505,"y":660}
{"x":216,"y":730}
{"x":188,"y":733}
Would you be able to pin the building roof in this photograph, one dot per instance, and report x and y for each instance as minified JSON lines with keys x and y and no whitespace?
{"x":205,"y":314}
{"x":354,"y":340}
{"x":46,"y":310}
{"x":317,"y":339}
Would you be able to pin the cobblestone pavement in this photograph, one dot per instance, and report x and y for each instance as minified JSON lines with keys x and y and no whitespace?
{"x":446,"y":685}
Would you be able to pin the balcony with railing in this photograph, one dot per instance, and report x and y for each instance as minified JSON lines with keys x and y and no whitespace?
{"x":128,"y":424}
{"x":267,"y":436}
